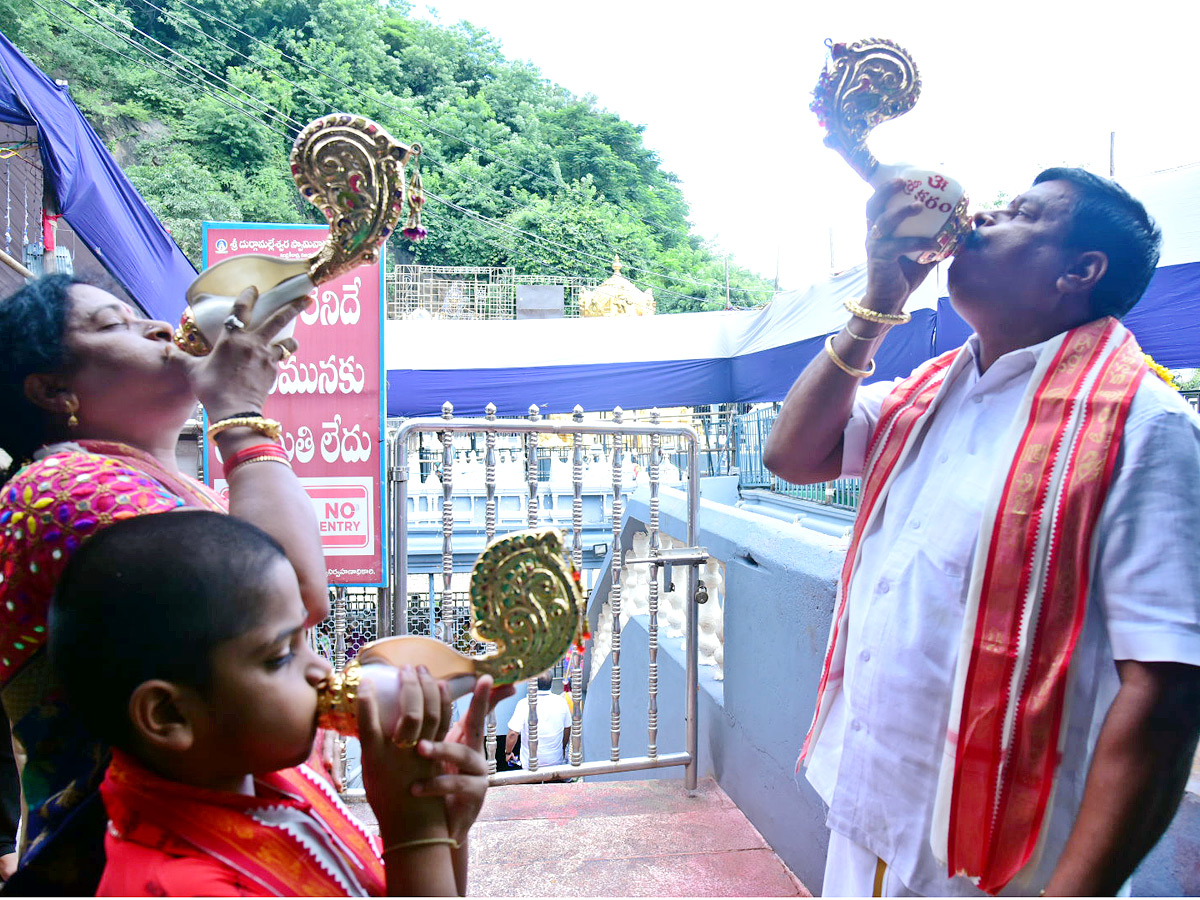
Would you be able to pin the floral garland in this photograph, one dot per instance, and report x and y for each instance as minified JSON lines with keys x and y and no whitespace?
{"x":1161,"y":371}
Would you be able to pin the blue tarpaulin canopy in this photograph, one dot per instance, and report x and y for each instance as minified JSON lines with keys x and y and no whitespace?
{"x":639,"y":362}
{"x":701,"y":358}
{"x":92,"y":192}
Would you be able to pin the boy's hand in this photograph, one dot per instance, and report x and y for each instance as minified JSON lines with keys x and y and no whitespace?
{"x":463,"y":780}
{"x":391,"y":764}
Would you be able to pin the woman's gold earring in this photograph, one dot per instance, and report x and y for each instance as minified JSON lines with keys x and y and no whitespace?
{"x":72,"y":419}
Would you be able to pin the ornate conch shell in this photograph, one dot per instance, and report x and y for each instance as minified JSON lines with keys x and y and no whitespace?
{"x":525,"y":597}
{"x":353,"y":171}
{"x":869,"y":82}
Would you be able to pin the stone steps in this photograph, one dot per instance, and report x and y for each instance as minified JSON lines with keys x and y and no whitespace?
{"x":619,"y":839}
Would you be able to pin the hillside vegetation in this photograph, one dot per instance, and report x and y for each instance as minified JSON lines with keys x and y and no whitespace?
{"x":199,"y":100}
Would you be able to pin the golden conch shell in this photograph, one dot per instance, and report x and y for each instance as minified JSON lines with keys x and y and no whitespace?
{"x":526,"y":597}
{"x":869,"y":82}
{"x":353,"y":171}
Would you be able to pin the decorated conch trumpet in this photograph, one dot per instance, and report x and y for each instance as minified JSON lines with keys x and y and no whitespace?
{"x":869,"y":82}
{"x":525,"y":597}
{"x":353,"y":171}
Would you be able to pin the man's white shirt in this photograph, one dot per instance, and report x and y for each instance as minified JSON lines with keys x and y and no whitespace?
{"x":876,"y":762}
{"x":553,"y":718}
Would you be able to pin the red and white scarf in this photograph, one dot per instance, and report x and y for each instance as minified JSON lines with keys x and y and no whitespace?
{"x":1028,"y":591}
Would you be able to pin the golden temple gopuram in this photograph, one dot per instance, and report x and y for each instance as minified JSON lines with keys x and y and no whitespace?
{"x":616,"y":296}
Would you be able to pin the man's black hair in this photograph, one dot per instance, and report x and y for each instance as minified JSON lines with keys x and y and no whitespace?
{"x":152,"y":597}
{"x":1106,"y":217}
{"x":33,"y":331}
{"x":545,"y":681}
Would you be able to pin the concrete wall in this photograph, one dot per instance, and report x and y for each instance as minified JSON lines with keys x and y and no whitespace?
{"x":779,"y":588}
{"x":779,"y":581}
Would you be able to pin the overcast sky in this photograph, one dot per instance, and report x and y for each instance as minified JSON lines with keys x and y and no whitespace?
{"x":1008,"y":89}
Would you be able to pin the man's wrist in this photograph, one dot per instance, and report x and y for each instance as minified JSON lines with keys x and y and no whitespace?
{"x":883,"y":304}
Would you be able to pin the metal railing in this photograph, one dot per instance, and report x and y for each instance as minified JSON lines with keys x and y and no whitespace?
{"x":752,"y":429}
{"x":613,"y":435}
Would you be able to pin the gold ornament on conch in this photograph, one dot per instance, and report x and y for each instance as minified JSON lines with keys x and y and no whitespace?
{"x":526,"y":597}
{"x":869,"y":82}
{"x":865,"y":84}
{"x":353,"y":171}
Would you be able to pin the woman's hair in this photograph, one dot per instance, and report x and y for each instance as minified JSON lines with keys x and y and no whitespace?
{"x":33,"y":332}
{"x":152,"y":597}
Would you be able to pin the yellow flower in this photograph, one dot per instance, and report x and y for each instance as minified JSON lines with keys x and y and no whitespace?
{"x":1161,"y":371}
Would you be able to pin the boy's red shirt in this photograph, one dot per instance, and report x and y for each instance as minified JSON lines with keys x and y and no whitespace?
{"x":170,"y":839}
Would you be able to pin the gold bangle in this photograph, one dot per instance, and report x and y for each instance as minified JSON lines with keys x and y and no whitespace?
{"x":257,"y":459}
{"x":862,"y":337}
{"x":268,"y":427}
{"x":422,"y":842}
{"x":845,"y":366}
{"x":861,"y":312}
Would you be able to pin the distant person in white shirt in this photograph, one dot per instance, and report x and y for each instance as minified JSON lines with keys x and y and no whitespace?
{"x":553,"y":726}
{"x":1011,"y":693}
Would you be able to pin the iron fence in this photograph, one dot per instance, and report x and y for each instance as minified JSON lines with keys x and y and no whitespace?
{"x":752,"y":429}
{"x":535,"y":438}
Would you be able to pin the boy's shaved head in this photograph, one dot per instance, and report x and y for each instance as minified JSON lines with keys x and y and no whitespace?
{"x":150,"y":598}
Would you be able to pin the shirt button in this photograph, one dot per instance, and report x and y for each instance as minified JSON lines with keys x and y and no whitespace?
{"x":884,"y":587}
{"x":914,"y":524}
{"x":978,"y":398}
{"x":943,"y":457}
{"x":866,"y":655}
{"x":856,"y":725}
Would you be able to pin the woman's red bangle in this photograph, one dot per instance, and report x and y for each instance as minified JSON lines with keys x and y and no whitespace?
{"x":257,"y":451}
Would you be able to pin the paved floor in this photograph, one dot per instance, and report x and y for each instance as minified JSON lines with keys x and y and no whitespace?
{"x":620,"y":839}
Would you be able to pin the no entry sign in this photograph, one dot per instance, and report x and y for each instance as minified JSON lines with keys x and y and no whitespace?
{"x":329,"y":396}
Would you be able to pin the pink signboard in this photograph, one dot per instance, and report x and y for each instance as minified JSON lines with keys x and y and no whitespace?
{"x":329,"y":396}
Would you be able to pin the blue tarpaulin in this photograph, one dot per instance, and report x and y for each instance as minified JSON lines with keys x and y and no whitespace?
{"x":690,"y":359}
{"x":92,"y":192}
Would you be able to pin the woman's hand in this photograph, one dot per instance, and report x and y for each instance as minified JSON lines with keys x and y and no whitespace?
{"x":464,"y":777}
{"x":892,"y":276}
{"x":239,"y":372}
{"x":391,"y":764}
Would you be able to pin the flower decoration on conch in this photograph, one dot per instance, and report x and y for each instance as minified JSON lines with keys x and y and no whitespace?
{"x":867,"y":82}
{"x":526,"y":597}
{"x":413,"y":229}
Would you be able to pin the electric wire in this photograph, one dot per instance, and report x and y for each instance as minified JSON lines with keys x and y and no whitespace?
{"x":542,"y":242}
{"x":171,"y":74}
{"x":631,"y":259}
{"x":275,"y":114}
{"x":410,"y":116}
{"x":254,"y":102}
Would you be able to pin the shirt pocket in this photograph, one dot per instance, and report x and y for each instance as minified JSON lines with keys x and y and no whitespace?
{"x":955,"y":519}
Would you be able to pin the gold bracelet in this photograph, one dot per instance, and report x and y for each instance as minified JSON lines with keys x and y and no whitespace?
{"x":422,"y":842}
{"x":268,"y":427}
{"x":845,"y":366}
{"x":862,"y":337}
{"x":257,"y":459}
{"x":861,"y":312}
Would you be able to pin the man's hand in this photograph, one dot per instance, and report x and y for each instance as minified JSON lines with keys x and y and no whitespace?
{"x":892,"y":276}
{"x":1137,"y":777}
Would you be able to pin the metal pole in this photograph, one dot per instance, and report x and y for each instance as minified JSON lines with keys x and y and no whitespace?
{"x":400,"y":525}
{"x":693,"y":620}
